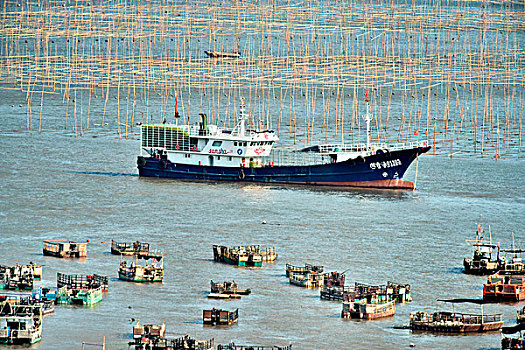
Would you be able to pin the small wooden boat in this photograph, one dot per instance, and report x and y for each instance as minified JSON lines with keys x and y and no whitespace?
{"x":65,"y":249}
{"x":220,"y":317}
{"x":134,"y":272}
{"x":307,"y":268}
{"x":20,"y":324}
{"x":367,"y":311}
{"x":227,"y":290}
{"x":219,"y":54}
{"x":520,"y":315}
{"x":251,"y":255}
{"x":504,"y":286}
{"x":233,"y":346}
{"x":130,"y":249}
{"x":454,"y":322}
{"x":485,"y":261}
{"x":513,"y":343}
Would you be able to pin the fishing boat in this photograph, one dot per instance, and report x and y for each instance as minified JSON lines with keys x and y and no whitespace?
{"x":23,"y":299}
{"x":307,"y":268}
{"x":220,"y":317}
{"x":251,"y":255}
{"x":208,"y":152}
{"x":485,"y":261}
{"x":151,"y":270}
{"x":368,"y":311}
{"x":504,"y":286}
{"x":227,"y":290}
{"x":19,"y":324}
{"x":455,"y":322}
{"x":512,"y":261}
{"x":513,"y":343}
{"x":64,"y":249}
{"x":129,"y":249}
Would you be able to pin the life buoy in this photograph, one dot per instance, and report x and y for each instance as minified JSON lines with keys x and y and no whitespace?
{"x":241,"y":175}
{"x":194,"y":148}
{"x":177,"y":147}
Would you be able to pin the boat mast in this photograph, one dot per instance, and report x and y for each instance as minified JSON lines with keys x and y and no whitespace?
{"x":367,"y":119}
{"x":240,"y":127}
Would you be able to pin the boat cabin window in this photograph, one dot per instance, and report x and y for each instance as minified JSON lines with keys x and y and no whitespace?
{"x":235,"y":143}
{"x":216,"y":143}
{"x":230,"y":159}
{"x":218,"y":157}
{"x":16,"y":325}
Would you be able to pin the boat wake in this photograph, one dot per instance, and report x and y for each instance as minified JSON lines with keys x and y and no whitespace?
{"x":102,"y":173}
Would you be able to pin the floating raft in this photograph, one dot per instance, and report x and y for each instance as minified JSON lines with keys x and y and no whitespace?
{"x":80,"y":289}
{"x":152,"y":337}
{"x":227,"y":290}
{"x":220,"y":317}
{"x":64,"y":249}
{"x":130,"y":249}
{"x":314,"y":279}
{"x":307,"y":268}
{"x":400,"y":293}
{"x":134,"y":272}
{"x":367,"y":311}
{"x":251,"y":255}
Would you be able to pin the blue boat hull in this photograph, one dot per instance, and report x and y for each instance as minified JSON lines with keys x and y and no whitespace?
{"x":383,"y":170}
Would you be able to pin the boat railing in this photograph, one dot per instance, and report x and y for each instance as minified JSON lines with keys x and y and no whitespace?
{"x":362,"y":147}
{"x":290,"y":158}
{"x":468,"y":318}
